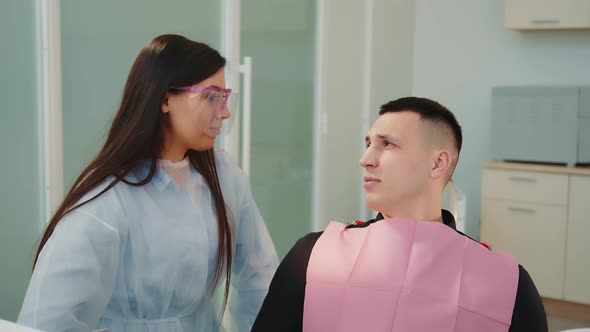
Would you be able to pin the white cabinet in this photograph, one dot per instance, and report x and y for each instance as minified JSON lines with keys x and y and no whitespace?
{"x":577,"y":273}
{"x":534,"y":234}
{"x":525,"y":214}
{"x":542,"y":217}
{"x":546,"y":14}
{"x":525,"y":186}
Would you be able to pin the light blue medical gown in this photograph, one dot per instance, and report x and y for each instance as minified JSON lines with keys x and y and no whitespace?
{"x":143,"y":259}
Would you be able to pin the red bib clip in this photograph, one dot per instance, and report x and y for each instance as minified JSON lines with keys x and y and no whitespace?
{"x":485,"y":245}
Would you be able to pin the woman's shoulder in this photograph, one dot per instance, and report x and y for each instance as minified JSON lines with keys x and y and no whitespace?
{"x":225,"y":161}
{"x":234,"y":182}
{"x":228,"y":169}
{"x":103,"y":204}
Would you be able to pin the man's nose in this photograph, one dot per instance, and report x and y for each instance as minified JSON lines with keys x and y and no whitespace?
{"x":368,"y":159}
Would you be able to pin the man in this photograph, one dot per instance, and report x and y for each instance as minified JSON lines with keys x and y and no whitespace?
{"x":408,"y":269}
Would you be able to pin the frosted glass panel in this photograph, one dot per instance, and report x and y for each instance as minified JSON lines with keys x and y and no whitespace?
{"x":100,"y":40}
{"x":280,"y":38}
{"x":20,"y":200}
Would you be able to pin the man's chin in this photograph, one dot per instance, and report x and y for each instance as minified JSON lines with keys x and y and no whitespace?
{"x":373,"y":202}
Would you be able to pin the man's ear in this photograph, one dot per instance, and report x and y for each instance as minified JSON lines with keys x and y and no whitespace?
{"x":442,"y":163}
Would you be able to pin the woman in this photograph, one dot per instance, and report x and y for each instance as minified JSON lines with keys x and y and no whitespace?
{"x":159,"y":219}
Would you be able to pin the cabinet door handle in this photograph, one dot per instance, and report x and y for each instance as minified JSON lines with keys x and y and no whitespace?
{"x":522,"y":179}
{"x":544,"y":21}
{"x":521,"y":210}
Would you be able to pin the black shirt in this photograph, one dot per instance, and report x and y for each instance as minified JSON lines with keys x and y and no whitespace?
{"x":282,"y":309}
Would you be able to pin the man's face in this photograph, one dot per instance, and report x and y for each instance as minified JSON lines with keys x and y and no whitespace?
{"x":398,"y":161}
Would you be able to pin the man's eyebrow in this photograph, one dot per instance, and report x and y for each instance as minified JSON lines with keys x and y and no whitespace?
{"x":382,"y":137}
{"x":388,"y":138}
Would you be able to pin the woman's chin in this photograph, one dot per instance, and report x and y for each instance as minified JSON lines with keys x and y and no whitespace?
{"x":214,"y":132}
{"x":205,"y":143}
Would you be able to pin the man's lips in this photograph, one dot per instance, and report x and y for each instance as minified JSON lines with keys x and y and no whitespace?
{"x":371,"y":179}
{"x":370,"y":182}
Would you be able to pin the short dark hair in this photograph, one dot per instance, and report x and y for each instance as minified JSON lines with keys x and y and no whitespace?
{"x":428,"y":110}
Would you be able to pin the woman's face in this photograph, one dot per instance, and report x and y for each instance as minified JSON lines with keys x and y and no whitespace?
{"x":196,"y":116}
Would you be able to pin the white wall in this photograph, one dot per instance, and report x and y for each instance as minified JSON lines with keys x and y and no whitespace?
{"x":341,"y":79}
{"x":462,"y":50}
{"x":393,"y":50}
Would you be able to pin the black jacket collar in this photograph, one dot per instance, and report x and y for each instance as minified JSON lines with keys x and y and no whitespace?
{"x":447,"y":217}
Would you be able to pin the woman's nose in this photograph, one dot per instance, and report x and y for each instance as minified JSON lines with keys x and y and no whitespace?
{"x":225,"y":113}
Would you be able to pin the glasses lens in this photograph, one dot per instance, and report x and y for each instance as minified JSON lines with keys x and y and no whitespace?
{"x":233,"y":108}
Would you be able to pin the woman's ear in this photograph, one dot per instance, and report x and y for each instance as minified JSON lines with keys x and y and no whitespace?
{"x":165,"y":105}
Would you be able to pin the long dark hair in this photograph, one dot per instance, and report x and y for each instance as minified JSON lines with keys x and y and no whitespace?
{"x":136,"y":133}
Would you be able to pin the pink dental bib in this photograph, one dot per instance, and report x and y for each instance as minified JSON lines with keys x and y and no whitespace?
{"x":400,"y":275}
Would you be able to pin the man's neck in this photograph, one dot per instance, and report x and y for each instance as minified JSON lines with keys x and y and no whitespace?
{"x":431,"y":217}
{"x":426,"y":209}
